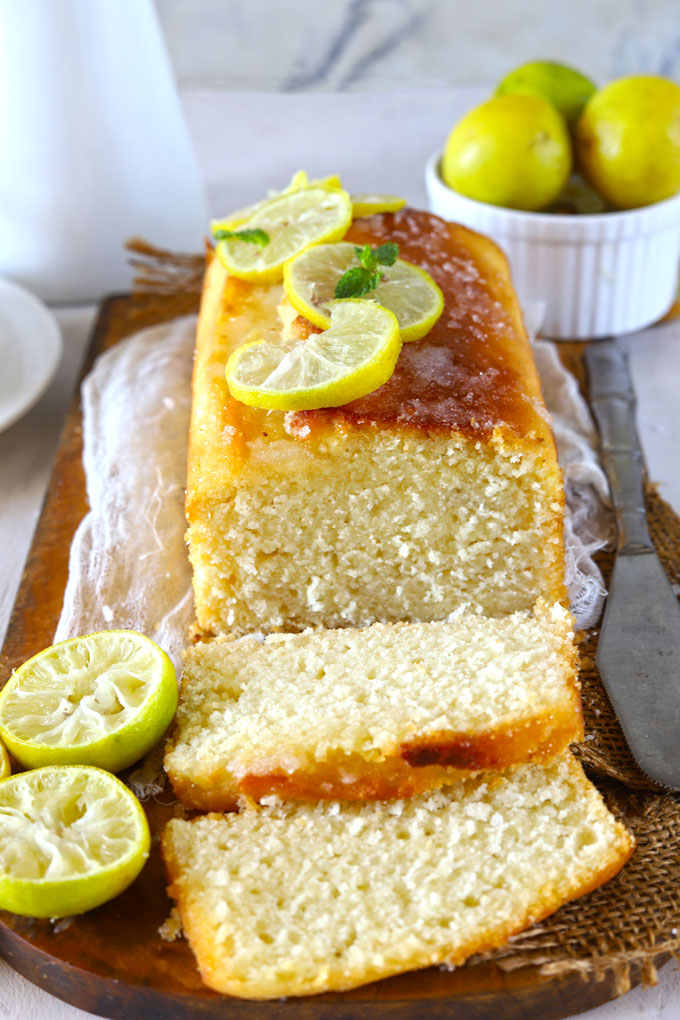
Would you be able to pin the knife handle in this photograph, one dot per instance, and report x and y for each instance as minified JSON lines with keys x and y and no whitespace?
{"x":613,"y":402}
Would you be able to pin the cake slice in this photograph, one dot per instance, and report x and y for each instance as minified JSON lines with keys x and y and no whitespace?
{"x":294,"y":899}
{"x":382,"y":712}
{"x":440,"y":489}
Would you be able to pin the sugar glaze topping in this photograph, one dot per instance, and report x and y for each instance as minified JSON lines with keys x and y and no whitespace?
{"x":470,"y":372}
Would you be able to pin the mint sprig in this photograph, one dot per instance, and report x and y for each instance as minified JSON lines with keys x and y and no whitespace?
{"x":251,"y":235}
{"x":361,"y":279}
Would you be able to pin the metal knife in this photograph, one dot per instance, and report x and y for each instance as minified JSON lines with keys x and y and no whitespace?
{"x":638,"y":653}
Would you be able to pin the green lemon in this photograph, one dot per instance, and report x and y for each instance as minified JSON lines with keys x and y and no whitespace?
{"x":565,"y":88}
{"x":103,"y":700}
{"x":71,"y":838}
{"x":628,"y":141}
{"x":512,"y":151}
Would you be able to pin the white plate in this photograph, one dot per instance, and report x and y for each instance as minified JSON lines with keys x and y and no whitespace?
{"x":30,"y":350}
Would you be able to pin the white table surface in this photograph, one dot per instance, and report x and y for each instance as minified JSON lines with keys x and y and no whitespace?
{"x":247,"y":143}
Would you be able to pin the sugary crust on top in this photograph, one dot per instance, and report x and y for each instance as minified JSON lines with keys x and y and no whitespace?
{"x":474,"y":371}
{"x":472,"y":374}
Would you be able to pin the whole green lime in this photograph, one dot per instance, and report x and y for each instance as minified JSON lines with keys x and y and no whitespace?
{"x":627,"y":141}
{"x":566,"y":88}
{"x":512,"y":151}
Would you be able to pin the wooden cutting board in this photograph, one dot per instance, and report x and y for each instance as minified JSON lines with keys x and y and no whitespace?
{"x":112,"y":961}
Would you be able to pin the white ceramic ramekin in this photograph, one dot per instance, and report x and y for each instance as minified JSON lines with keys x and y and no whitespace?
{"x":598,"y":274}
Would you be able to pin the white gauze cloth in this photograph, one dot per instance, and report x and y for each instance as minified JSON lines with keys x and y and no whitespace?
{"x":129,"y":566}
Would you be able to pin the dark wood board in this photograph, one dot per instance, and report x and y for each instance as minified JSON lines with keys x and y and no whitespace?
{"x":112,"y":961}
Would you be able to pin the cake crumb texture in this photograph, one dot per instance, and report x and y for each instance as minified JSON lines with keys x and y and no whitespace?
{"x":380,"y":712}
{"x":295,"y":899}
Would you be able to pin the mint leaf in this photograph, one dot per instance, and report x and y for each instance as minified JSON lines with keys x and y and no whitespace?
{"x":366,"y":256}
{"x":252,"y":236}
{"x":375,"y":278}
{"x":359,"y":280}
{"x":386,"y":254}
{"x":354,"y":283}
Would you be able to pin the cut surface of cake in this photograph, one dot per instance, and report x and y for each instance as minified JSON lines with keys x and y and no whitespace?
{"x":376,"y":713}
{"x":438,"y":490}
{"x":294,"y":899}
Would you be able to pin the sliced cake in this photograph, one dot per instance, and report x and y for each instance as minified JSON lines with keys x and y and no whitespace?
{"x":374,"y":713}
{"x":438,"y":490}
{"x":294,"y":899}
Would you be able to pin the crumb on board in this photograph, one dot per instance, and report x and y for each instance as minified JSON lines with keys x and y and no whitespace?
{"x":171,"y":928}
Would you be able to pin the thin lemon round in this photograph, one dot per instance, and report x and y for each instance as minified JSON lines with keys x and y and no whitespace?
{"x":236,"y":218}
{"x":293,"y":221}
{"x":104,"y":700}
{"x":5,"y":766}
{"x":239,"y":216}
{"x":299,"y":180}
{"x":71,"y":838}
{"x":408,"y":291}
{"x":355,"y":356}
{"x":370,"y":205}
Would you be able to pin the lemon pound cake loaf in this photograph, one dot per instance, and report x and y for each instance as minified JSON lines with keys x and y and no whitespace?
{"x":386,"y":711}
{"x":439,"y":489}
{"x":294,"y":899}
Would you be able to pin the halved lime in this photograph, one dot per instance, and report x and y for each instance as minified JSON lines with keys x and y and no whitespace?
{"x":103,"y":700}
{"x":355,"y":356}
{"x":71,"y":838}
{"x":409,"y":292}
{"x":293,"y":222}
{"x":369,"y":204}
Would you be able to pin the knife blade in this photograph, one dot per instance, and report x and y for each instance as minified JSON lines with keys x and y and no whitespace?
{"x":638,"y":653}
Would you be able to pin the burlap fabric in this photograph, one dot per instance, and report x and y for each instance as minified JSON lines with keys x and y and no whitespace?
{"x":635,"y":917}
{"x":634,"y":920}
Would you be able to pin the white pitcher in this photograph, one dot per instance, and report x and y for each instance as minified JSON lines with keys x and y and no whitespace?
{"x":93,"y":145}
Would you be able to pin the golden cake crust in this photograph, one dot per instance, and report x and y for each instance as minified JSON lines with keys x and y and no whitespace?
{"x":415,"y":758}
{"x":427,"y":765}
{"x":473,"y":373}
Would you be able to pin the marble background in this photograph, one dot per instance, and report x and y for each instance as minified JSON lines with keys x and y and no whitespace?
{"x":329,"y":45}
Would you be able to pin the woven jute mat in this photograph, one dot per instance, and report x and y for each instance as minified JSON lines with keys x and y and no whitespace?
{"x":636,"y":916}
{"x":634,"y":919}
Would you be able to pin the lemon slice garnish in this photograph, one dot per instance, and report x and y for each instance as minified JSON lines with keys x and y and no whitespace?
{"x":5,"y":766}
{"x":71,"y":838}
{"x":355,"y":356}
{"x":293,"y":222}
{"x":298,"y":180}
{"x":301,"y":180}
{"x":103,"y":700}
{"x":369,"y":205}
{"x":409,"y":292}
